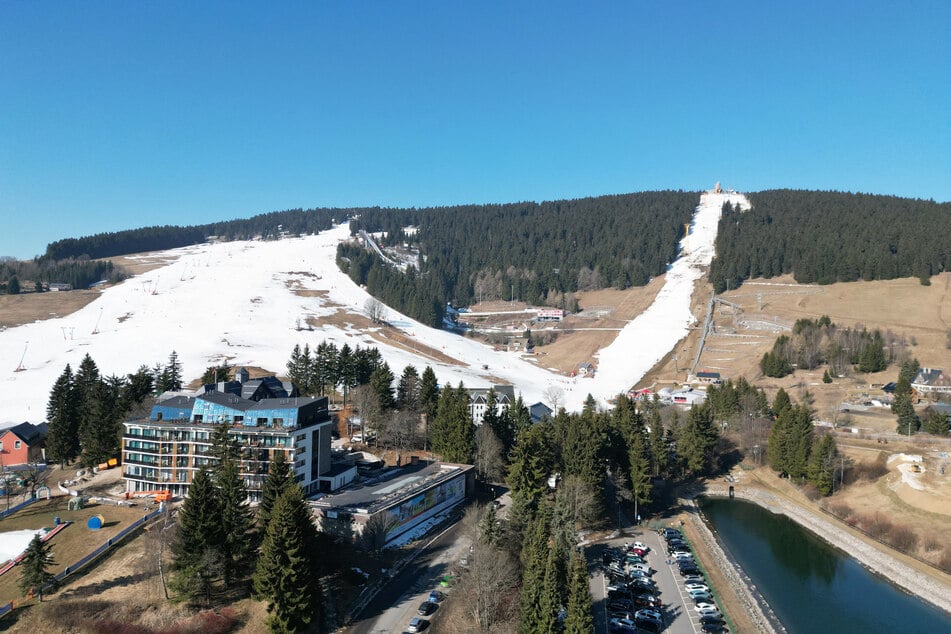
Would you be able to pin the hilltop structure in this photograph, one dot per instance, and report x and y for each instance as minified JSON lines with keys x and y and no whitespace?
{"x":164,"y":451}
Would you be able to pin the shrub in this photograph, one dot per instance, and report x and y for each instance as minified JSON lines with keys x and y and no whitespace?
{"x":945,"y":562}
{"x":931,"y":544}
{"x":903,"y":538}
{"x":877,"y":525}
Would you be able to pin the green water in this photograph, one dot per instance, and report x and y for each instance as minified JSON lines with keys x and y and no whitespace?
{"x":811,"y":586}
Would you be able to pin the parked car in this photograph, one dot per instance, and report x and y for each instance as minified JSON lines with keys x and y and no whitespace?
{"x":669,"y":533}
{"x":695,"y":579}
{"x":712,"y":618}
{"x":620,"y":605}
{"x":619,"y":592}
{"x":704,"y":605}
{"x":649,"y":620}
{"x":707,"y":611}
{"x":641,"y":545}
{"x":436,"y":596}
{"x":700,"y":596}
{"x":622,"y":625}
{"x":426,"y":608}
{"x":647,"y":601}
{"x":689,"y":570}
{"x":690,"y":585}
{"x":642,"y":566}
{"x":640,"y":552}
{"x":417,"y":625}
{"x":714,"y":628}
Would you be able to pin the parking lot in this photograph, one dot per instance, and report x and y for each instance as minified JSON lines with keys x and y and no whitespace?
{"x":679,"y":615}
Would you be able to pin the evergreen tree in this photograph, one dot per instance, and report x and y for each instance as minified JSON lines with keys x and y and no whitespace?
{"x":62,"y":440}
{"x":550,"y":596}
{"x":659,"y":451}
{"x":640,"y":467}
{"x":908,"y":421}
{"x":278,"y":480}
{"x":872,"y":358}
{"x":428,"y":393}
{"x":381,"y":380}
{"x":579,"y":619}
{"x":13,"y":286}
{"x":237,"y":539}
{"x":34,"y":568}
{"x":224,"y":446}
{"x":287,"y":575}
{"x":174,"y":370}
{"x":196,"y":550}
{"x":936,"y":423}
{"x":781,"y":402}
{"x":491,"y":415}
{"x":489,"y":530}
{"x":822,"y":464}
{"x":531,"y":464}
{"x":826,"y":378}
{"x":452,"y":435}
{"x":99,"y":424}
{"x":697,"y":440}
{"x":298,"y":370}
{"x":534,"y":565}
{"x":521,"y":418}
{"x":407,"y":391}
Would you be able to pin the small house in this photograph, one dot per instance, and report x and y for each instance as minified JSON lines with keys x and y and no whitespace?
{"x":23,"y":443}
{"x":586,"y":369}
{"x":931,"y":382}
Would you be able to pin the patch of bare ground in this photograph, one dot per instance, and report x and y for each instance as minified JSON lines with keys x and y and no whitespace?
{"x":603,"y":313}
{"x":26,"y":308}
{"x":136,"y":264}
{"x":399,"y":339}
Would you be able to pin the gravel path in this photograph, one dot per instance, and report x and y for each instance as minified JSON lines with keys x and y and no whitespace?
{"x":913,"y":581}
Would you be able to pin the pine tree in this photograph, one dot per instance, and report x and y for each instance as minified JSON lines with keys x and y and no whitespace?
{"x":13,"y":286}
{"x":640,"y":467}
{"x":822,"y":464}
{"x":62,"y":440}
{"x":534,"y":559}
{"x":908,"y":421}
{"x":196,"y":553}
{"x":174,"y":370}
{"x":659,"y":451}
{"x":781,"y":402}
{"x":551,"y":595}
{"x":826,"y":378}
{"x":936,"y":423}
{"x":698,"y":439}
{"x":579,"y":619}
{"x":381,"y":380}
{"x":34,"y":568}
{"x":491,"y":415}
{"x":278,"y":480}
{"x":287,"y":575}
{"x":428,"y":393}
{"x":237,"y":540}
{"x":489,"y":530}
{"x":407,"y":392}
{"x":99,"y":424}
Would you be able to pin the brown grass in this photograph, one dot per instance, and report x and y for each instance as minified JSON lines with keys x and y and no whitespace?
{"x":25,"y":308}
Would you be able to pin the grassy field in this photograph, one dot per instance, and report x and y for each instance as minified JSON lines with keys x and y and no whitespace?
{"x":72,"y":543}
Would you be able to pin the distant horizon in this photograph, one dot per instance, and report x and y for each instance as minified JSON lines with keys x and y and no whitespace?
{"x":470,"y":203}
{"x":122,"y":115}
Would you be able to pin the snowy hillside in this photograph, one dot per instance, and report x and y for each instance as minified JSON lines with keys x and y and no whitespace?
{"x":233,"y":300}
{"x":237,"y":301}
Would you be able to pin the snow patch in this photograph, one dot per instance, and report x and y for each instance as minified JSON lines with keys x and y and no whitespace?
{"x":12,"y":543}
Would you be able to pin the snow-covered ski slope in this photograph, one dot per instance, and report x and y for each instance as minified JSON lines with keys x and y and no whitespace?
{"x":648,"y":337}
{"x":233,"y":300}
{"x":236,"y":300}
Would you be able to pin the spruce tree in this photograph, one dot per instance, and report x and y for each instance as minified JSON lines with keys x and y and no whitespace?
{"x":174,"y":370}
{"x":62,"y":440}
{"x":659,"y":451}
{"x":698,"y":439}
{"x":34,"y":567}
{"x":908,"y":421}
{"x":99,"y":424}
{"x":781,"y":402}
{"x":640,"y":467}
{"x":550,"y":600}
{"x":287,"y":576}
{"x":822,"y":464}
{"x":278,"y":480}
{"x":381,"y":380}
{"x":428,"y":393}
{"x":534,"y":564}
{"x":407,"y":391}
{"x":196,"y":550}
{"x":579,"y":619}
{"x":237,"y":539}
{"x":936,"y":423}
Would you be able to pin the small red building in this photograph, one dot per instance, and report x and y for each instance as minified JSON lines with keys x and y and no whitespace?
{"x":23,"y":443}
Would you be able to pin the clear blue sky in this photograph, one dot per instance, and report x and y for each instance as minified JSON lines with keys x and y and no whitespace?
{"x":116,"y":115}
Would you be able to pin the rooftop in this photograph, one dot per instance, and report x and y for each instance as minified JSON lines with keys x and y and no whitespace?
{"x":390,"y":486}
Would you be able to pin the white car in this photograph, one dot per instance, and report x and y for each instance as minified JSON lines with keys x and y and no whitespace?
{"x":681,"y":554}
{"x":696,"y":586}
{"x":703,"y":605}
{"x":707,"y":611}
{"x":641,"y":545}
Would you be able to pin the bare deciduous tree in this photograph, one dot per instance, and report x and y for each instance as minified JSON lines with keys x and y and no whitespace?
{"x":375,"y":310}
{"x":489,"y":464}
{"x":554,"y":397}
{"x":488,"y":583}
{"x":374,"y":533}
{"x":399,"y":430}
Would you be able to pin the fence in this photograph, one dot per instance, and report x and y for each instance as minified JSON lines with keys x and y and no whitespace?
{"x":79,"y":565}
{"x":14,"y":509}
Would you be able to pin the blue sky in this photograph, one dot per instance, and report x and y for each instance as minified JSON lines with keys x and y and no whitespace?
{"x":125,"y":114}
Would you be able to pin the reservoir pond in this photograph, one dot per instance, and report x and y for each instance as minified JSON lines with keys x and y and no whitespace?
{"x":811,"y":586}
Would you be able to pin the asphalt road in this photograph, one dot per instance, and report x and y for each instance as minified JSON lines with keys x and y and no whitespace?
{"x":391,"y":610}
